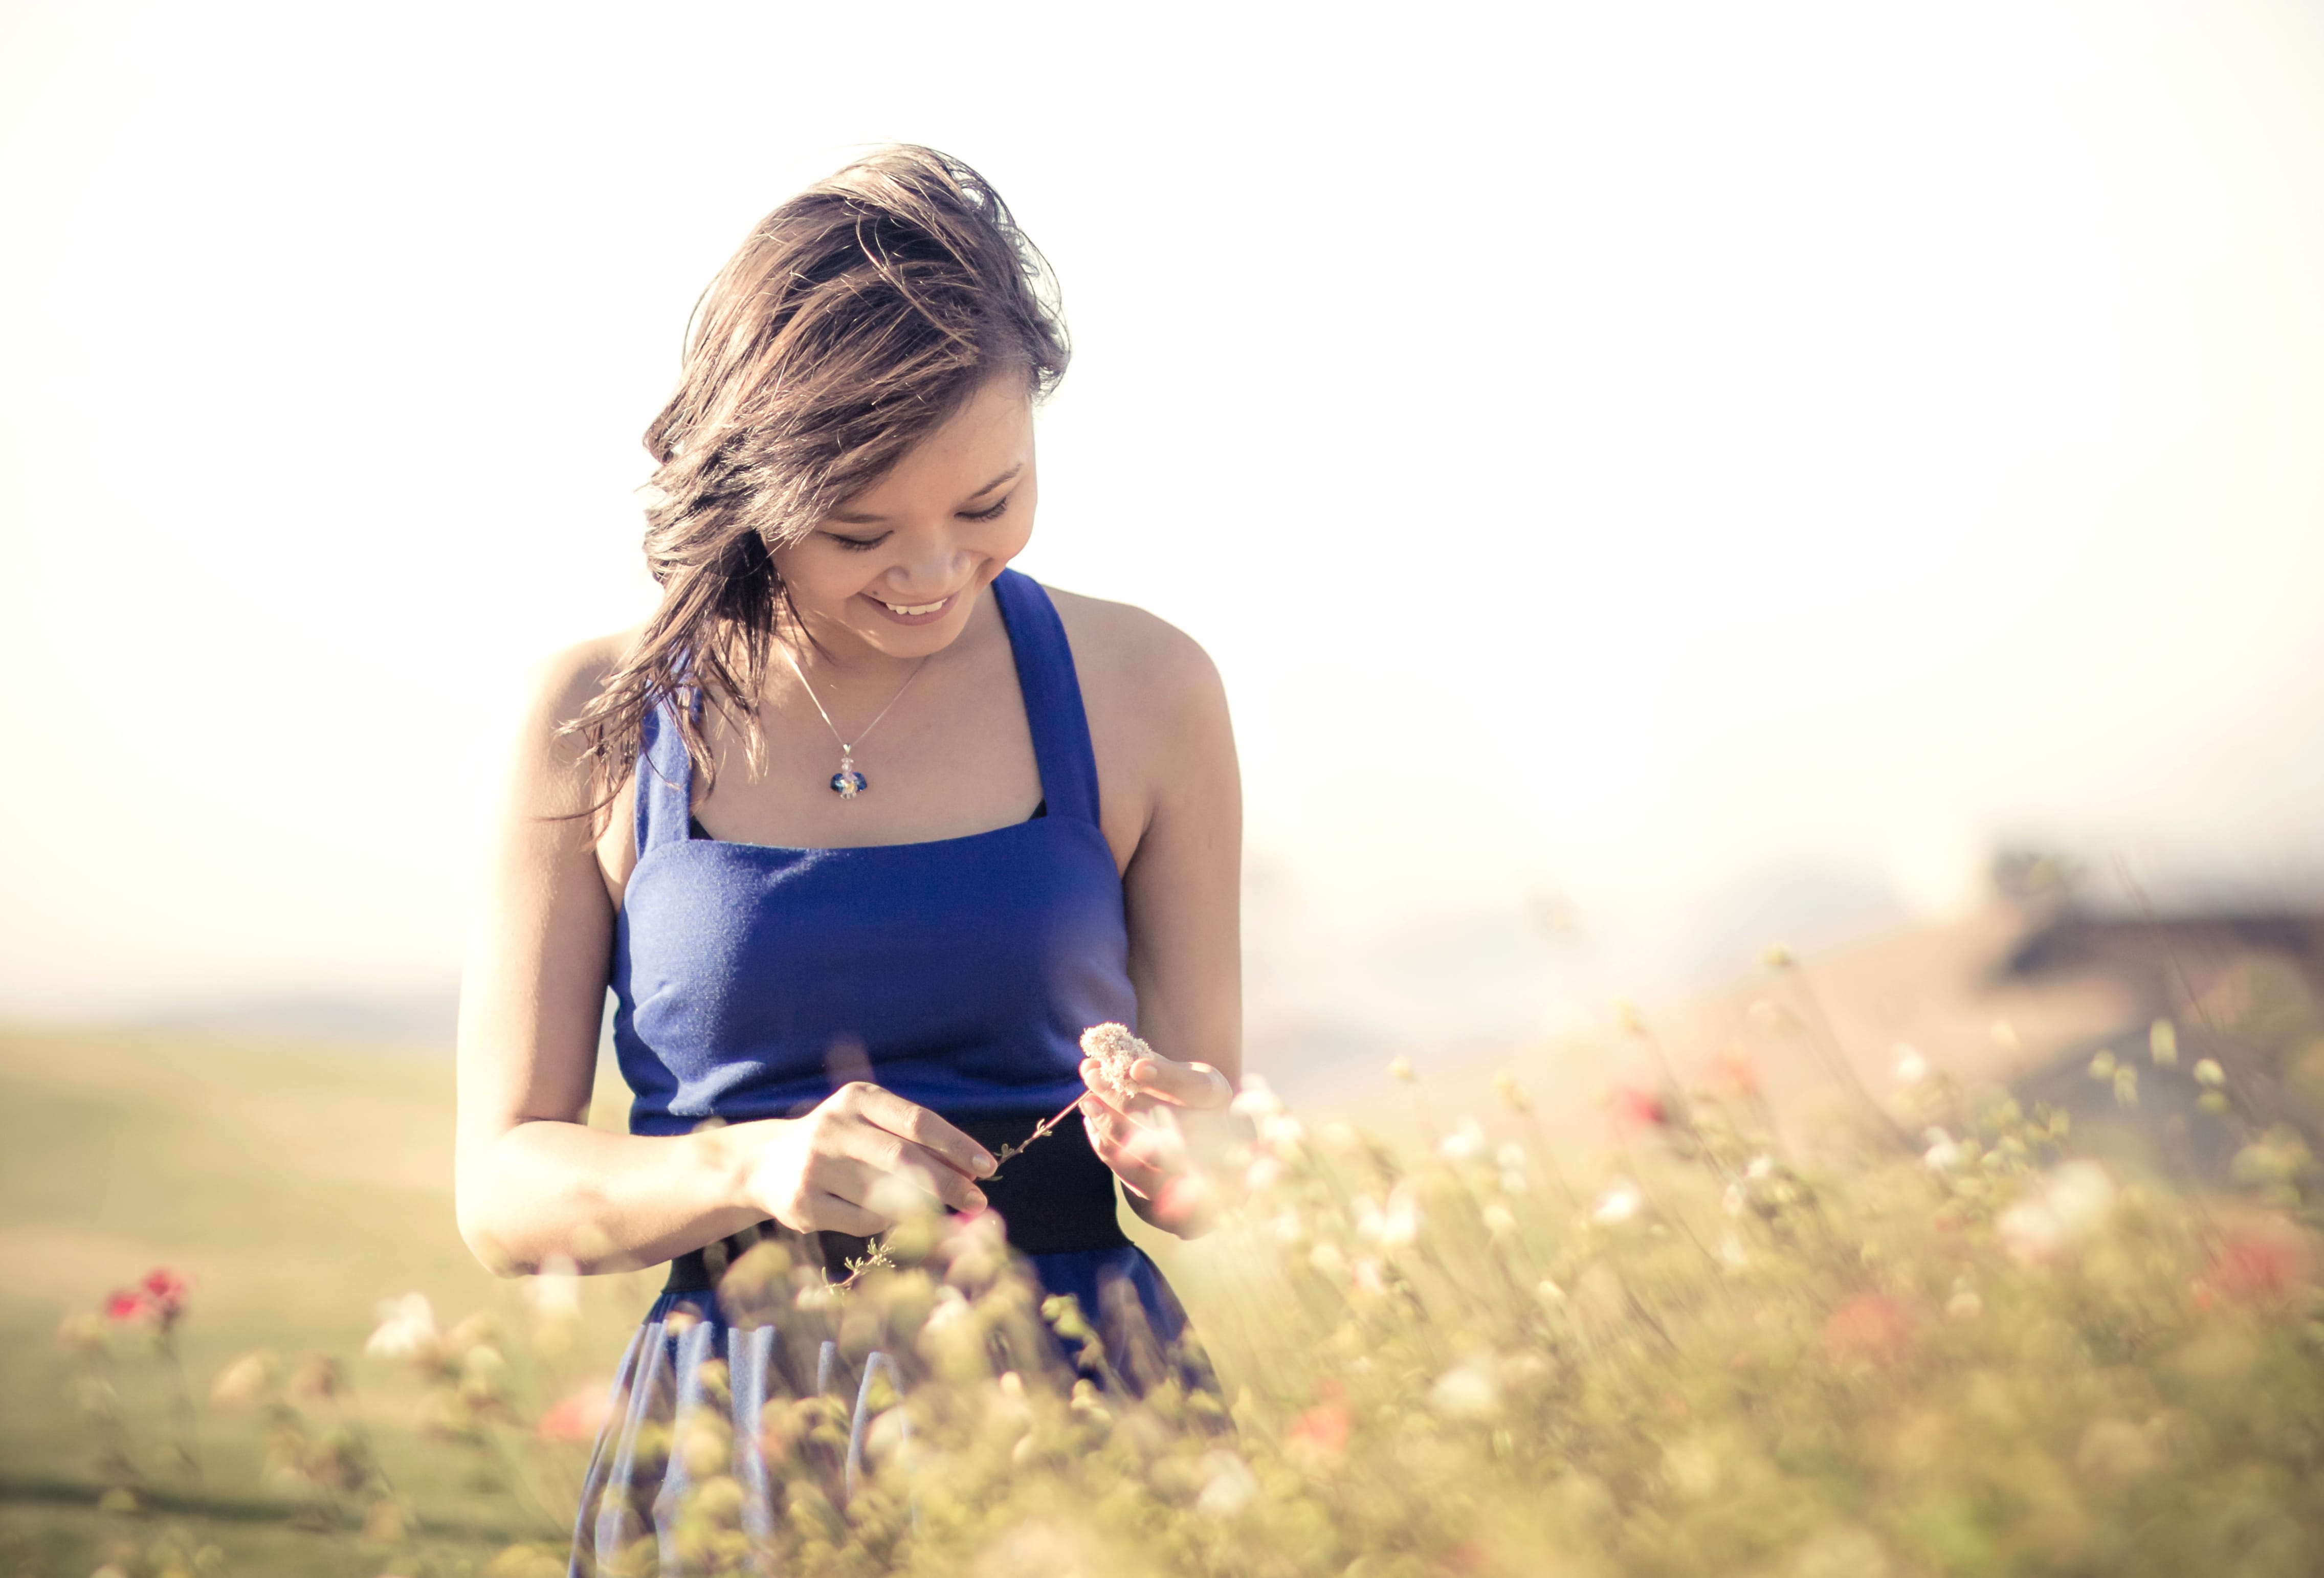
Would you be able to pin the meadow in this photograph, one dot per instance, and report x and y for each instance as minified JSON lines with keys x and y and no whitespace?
{"x":1939,"y":1336}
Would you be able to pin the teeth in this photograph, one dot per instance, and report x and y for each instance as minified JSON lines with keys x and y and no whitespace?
{"x":911,"y":612}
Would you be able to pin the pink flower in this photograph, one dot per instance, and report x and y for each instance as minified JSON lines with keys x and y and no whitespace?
{"x":1734,"y":1072}
{"x":1322,"y":1430}
{"x":169,"y":1290}
{"x":1870,"y":1328}
{"x":579,"y":1417}
{"x":2262,"y":1262}
{"x":1635,"y":1109}
{"x":161,"y":1297}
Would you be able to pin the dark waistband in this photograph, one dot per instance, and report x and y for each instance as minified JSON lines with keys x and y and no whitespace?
{"x":1055,"y":1198}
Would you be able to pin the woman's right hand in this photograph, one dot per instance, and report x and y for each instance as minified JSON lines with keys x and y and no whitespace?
{"x":856,"y":1162}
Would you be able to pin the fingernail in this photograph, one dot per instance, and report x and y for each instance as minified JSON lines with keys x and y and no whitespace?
{"x":1143,"y":1071}
{"x":976,"y":1199}
{"x":984,"y":1162}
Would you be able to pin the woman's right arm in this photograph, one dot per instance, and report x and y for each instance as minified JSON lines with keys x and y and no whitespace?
{"x":536,"y":1185}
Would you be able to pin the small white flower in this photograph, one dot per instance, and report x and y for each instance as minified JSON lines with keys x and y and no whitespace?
{"x":1258,"y":1099}
{"x":1912,"y":1068}
{"x":1763,"y":1166}
{"x":1116,"y":1051}
{"x":1228,"y":1486}
{"x":1618,"y":1204}
{"x":1464,"y":1143}
{"x":1282,"y":1135}
{"x":407,"y":1326}
{"x":1392,"y":1228}
{"x":1467,"y":1391}
{"x":1943,"y":1154}
{"x":1498,"y":1220}
{"x":555,"y":1294}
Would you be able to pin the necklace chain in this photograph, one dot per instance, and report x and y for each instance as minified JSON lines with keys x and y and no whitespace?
{"x":847,"y":782}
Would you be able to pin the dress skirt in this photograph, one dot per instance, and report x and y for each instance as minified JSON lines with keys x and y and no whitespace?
{"x":690,"y":1361}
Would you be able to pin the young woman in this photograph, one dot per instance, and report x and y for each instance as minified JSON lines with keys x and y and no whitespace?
{"x":862,"y":827}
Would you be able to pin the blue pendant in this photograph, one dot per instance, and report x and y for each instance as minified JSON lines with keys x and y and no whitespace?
{"x":847,"y":783}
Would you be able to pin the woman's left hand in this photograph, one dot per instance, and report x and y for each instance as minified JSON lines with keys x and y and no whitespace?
{"x":1139,"y":1137}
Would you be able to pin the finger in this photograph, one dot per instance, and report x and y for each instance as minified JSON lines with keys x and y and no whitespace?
{"x":1182,"y":1084}
{"x":1129,"y":1149}
{"x":872,"y":1162}
{"x":947,"y":1145}
{"x":828,"y":1213}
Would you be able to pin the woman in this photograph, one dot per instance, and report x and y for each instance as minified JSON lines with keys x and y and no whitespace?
{"x":863,"y":829}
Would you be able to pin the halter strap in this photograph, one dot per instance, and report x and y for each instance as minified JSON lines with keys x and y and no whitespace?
{"x":664,"y":777}
{"x":1052,"y":690}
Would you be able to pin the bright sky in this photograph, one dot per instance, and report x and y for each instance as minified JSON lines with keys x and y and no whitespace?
{"x":1650,"y":453}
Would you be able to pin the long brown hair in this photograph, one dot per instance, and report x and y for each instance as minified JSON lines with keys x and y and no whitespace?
{"x":855,"y":318}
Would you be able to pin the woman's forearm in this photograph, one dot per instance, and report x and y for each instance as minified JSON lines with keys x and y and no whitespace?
{"x":544,"y":1192}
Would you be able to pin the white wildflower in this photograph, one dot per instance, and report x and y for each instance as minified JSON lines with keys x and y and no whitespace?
{"x":1228,"y":1486}
{"x":407,"y":1328}
{"x":1618,"y":1204}
{"x":1258,"y":1100}
{"x":1282,"y":1135}
{"x":1116,"y":1051}
{"x":1465,"y":1142}
{"x":1467,"y":1391}
{"x":1912,"y":1068}
{"x":1944,"y":1154}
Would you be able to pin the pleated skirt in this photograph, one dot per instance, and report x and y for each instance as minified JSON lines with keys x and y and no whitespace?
{"x":687,"y":1356}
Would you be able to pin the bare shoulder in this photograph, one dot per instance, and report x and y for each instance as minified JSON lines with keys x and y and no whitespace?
{"x":562,"y":684}
{"x":549,"y":773}
{"x":1130,"y":658}
{"x":1158,"y":718}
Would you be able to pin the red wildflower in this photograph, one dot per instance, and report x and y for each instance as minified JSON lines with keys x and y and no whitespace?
{"x":579,"y":1417}
{"x":1636,"y":1109}
{"x":1870,"y":1328}
{"x":128,"y":1304}
{"x":1322,"y":1430}
{"x":169,"y":1291}
{"x":2263,"y":1260}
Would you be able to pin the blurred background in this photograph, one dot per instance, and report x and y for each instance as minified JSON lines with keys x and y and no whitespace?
{"x":1682,"y":475}
{"x":1657,"y":479}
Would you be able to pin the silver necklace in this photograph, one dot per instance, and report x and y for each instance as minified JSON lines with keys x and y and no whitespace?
{"x":847,"y":783}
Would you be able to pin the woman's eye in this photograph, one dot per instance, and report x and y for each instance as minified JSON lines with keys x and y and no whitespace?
{"x":994,"y":513}
{"x":857,"y":544}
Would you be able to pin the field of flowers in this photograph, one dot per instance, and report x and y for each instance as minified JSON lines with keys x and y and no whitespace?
{"x":1939,"y":1342}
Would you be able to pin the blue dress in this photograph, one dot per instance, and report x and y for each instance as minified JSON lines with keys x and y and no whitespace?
{"x":751,"y":980}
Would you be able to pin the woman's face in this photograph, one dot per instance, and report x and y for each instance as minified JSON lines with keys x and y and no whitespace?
{"x":899,"y":565}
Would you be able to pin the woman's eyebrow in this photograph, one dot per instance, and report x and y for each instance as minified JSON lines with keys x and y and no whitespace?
{"x":855,"y":517}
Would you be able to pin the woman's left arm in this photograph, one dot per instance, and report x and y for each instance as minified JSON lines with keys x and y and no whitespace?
{"x":1167,"y":737}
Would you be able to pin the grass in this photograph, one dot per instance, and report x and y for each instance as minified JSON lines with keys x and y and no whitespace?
{"x":297,"y":1185}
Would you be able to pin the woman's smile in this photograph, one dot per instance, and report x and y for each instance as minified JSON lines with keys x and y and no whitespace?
{"x":913,"y":613}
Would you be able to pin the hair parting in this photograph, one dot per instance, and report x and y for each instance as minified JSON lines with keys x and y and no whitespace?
{"x":854,"y":319}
